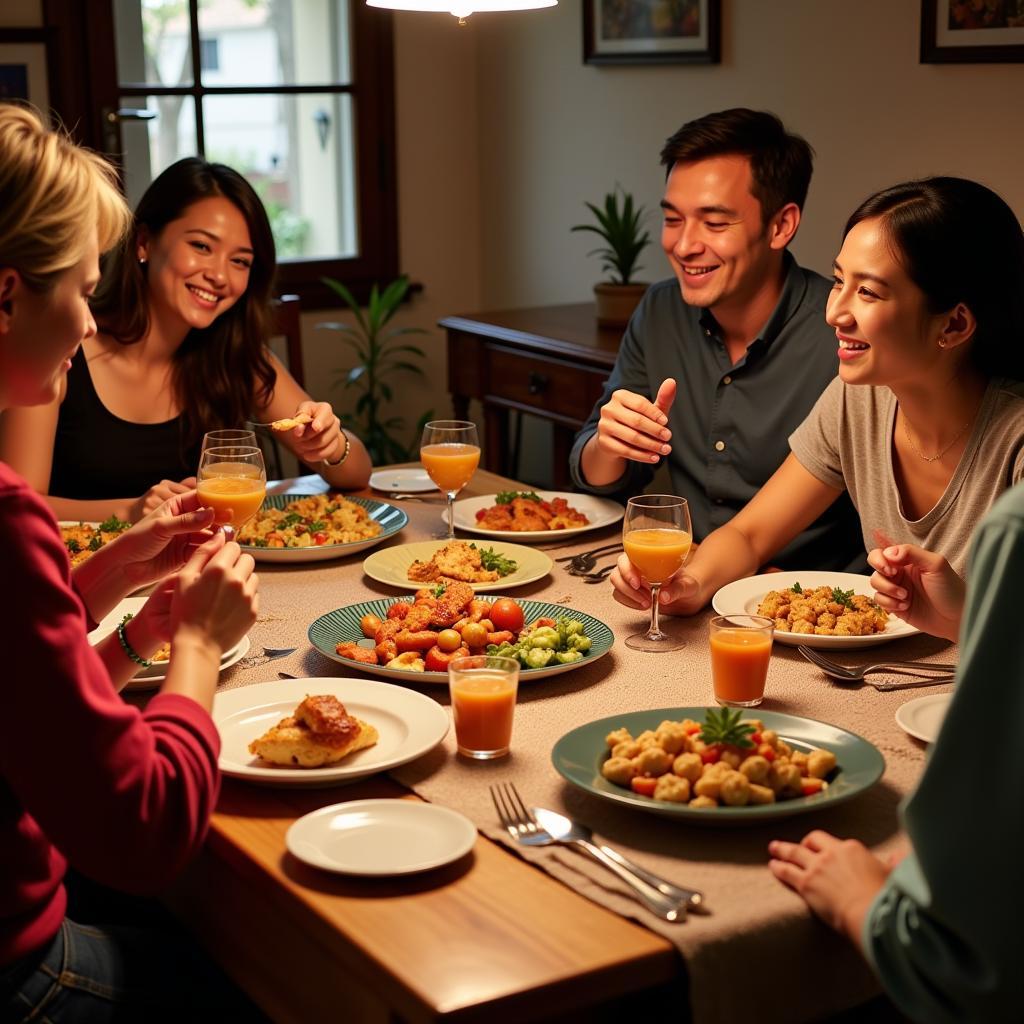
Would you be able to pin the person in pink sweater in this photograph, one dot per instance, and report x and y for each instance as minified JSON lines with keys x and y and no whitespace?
{"x":123,"y":796}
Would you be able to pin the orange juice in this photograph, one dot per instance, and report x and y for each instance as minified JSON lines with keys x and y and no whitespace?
{"x":235,"y":495}
{"x":483,"y":704}
{"x":450,"y":466}
{"x":657,"y":553}
{"x":739,"y":665}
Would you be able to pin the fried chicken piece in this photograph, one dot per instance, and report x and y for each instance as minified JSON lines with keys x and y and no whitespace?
{"x":461,"y":561}
{"x":452,"y":604}
{"x":320,"y":732}
{"x":352,"y":650}
{"x":497,"y":517}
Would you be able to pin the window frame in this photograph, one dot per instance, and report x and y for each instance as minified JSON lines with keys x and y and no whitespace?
{"x":85,"y":90}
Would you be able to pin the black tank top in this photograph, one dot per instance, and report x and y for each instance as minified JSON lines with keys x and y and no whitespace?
{"x":98,"y":455}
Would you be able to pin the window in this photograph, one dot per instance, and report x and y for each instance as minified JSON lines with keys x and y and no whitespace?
{"x":298,"y":95}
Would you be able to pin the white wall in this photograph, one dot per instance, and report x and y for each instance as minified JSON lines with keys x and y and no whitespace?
{"x":554,"y":131}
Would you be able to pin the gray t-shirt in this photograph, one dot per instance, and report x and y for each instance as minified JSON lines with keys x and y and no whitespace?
{"x":846,"y":441}
{"x":731,"y":423}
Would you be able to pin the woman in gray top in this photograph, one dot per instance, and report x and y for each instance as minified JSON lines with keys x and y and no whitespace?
{"x":924,"y":427}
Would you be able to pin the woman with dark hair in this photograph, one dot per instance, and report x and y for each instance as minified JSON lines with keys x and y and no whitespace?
{"x":183,"y":312}
{"x":924,"y":426}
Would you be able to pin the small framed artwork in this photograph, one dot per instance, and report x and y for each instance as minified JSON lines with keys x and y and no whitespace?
{"x":23,"y":69}
{"x":972,"y":31}
{"x":652,"y":31}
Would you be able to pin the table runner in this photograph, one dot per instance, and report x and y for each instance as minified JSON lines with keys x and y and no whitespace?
{"x":757,"y":949}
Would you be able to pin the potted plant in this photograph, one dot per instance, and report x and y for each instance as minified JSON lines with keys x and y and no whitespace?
{"x":625,"y":238}
{"x":380,"y":357}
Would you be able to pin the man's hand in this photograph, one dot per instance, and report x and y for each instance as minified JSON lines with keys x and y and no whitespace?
{"x":838,"y":878}
{"x":919,"y":586}
{"x":631,"y":427}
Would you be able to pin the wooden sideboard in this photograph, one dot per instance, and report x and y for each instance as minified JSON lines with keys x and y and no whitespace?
{"x":550,"y":362}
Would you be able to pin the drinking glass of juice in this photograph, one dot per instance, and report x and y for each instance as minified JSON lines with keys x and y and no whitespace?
{"x":741,"y":647}
{"x":450,"y":453}
{"x":233,"y":482}
{"x":229,"y":438}
{"x":483,"y":690}
{"x":656,"y":535}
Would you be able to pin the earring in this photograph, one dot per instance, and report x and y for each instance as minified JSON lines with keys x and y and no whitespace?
{"x":142,"y":262}
{"x":942,"y":342}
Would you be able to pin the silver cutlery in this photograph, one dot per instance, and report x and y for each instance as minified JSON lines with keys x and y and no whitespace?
{"x":523,"y":828}
{"x":586,"y":560}
{"x":929,"y":672}
{"x":568,"y":831}
{"x":599,"y":576}
{"x":269,"y":654}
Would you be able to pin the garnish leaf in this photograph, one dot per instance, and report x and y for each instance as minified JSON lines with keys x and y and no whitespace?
{"x":507,"y":497}
{"x":723,"y":725}
{"x":796,"y":588}
{"x":493,"y":562}
{"x":843,"y":597}
{"x":113,"y":525}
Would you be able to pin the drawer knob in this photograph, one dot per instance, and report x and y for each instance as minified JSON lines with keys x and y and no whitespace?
{"x":538,"y":382}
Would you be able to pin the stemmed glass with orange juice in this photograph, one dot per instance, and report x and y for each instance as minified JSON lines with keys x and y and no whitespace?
{"x":233,"y":482}
{"x":450,"y":453}
{"x":656,"y":535}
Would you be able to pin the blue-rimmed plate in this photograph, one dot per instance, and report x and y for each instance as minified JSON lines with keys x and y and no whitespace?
{"x":579,"y":754}
{"x":390,"y":518}
{"x":342,"y":625}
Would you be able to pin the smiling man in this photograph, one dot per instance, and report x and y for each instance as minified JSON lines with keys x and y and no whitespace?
{"x":719,"y":365}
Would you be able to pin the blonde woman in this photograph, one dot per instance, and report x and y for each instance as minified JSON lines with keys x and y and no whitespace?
{"x":87,"y":781}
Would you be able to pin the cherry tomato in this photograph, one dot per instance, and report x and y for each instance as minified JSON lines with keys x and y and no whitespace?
{"x":711,"y":754}
{"x":319,"y":538}
{"x":643,"y":785}
{"x":507,"y":614}
{"x":811,"y":786}
{"x":767,"y":751}
{"x":755,"y":738}
{"x":474,"y":635}
{"x":369,"y":624}
{"x":449,"y":640}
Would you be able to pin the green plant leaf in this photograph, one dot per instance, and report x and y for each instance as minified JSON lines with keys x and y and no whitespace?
{"x":347,"y":297}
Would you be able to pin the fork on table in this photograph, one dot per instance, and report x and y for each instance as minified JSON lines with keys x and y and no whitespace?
{"x":522,"y":826}
{"x":930,"y":673}
{"x":586,"y":560}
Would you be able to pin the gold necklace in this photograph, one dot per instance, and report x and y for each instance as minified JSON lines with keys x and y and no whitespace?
{"x":933,"y":458}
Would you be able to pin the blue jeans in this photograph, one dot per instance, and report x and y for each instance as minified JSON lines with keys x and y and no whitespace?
{"x":98,"y":974}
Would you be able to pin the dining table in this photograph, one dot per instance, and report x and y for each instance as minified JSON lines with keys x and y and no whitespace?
{"x":516,"y":934}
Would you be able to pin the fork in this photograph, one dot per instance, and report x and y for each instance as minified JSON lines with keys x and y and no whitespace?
{"x":586,"y":560}
{"x":930,"y":671}
{"x":521,"y":825}
{"x":599,"y":576}
{"x":269,"y":654}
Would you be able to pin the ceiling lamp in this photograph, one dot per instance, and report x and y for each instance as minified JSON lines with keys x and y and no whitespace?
{"x":461,"y":9}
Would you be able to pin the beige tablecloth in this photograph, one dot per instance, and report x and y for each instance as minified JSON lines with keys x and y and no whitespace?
{"x":757,"y":950}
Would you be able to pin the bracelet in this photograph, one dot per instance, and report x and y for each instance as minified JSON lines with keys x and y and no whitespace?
{"x":344,"y":454}
{"x":127,"y":647}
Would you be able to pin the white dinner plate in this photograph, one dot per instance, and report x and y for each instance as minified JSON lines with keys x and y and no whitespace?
{"x":744,"y":596}
{"x":600,"y":511}
{"x":922,"y":718}
{"x":409,"y":724}
{"x":391,"y":565}
{"x":381,"y":837}
{"x":413,"y":480}
{"x":150,"y":678}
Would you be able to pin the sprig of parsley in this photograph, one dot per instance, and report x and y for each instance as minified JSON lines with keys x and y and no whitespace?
{"x":493,"y":562}
{"x":796,"y":588}
{"x":843,"y":597}
{"x":507,"y":497}
{"x":114,"y":525}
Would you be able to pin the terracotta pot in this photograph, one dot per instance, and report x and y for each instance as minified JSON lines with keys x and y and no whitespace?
{"x":616,"y":302}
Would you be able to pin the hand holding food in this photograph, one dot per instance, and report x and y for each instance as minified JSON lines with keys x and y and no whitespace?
{"x":321,"y":438}
{"x":632,"y":427}
{"x":291,"y":422}
{"x":920,"y":586}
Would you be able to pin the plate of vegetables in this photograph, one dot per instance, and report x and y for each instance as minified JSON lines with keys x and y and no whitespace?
{"x":547,"y":639}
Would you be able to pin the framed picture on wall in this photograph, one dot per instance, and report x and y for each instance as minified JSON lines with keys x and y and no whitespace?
{"x":972,"y":31}
{"x":651,"y":31}
{"x":23,"y":67}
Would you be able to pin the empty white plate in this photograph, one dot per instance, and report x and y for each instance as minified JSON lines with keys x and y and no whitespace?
{"x":381,"y":837}
{"x":413,"y":480}
{"x":922,"y":718}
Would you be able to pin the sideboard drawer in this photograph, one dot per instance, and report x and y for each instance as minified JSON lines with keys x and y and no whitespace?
{"x":542,"y":383}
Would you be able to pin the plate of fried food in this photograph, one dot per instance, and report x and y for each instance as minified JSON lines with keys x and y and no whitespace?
{"x":150,"y":678}
{"x":534,"y":516}
{"x":83,"y":538}
{"x":414,"y":639}
{"x":831,"y":610}
{"x":317,"y":527}
{"x":496,"y":566}
{"x":718,"y":766}
{"x":323,"y":731}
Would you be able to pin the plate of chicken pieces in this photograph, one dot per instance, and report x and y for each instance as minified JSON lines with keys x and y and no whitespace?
{"x":483,"y":565}
{"x":534,"y":516}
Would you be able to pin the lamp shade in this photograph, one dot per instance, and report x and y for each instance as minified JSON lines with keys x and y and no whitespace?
{"x":461,"y":8}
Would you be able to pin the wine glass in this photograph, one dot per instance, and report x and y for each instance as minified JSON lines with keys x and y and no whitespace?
{"x":656,"y":535}
{"x":233,"y":482}
{"x":450,"y":453}
{"x":229,"y":438}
